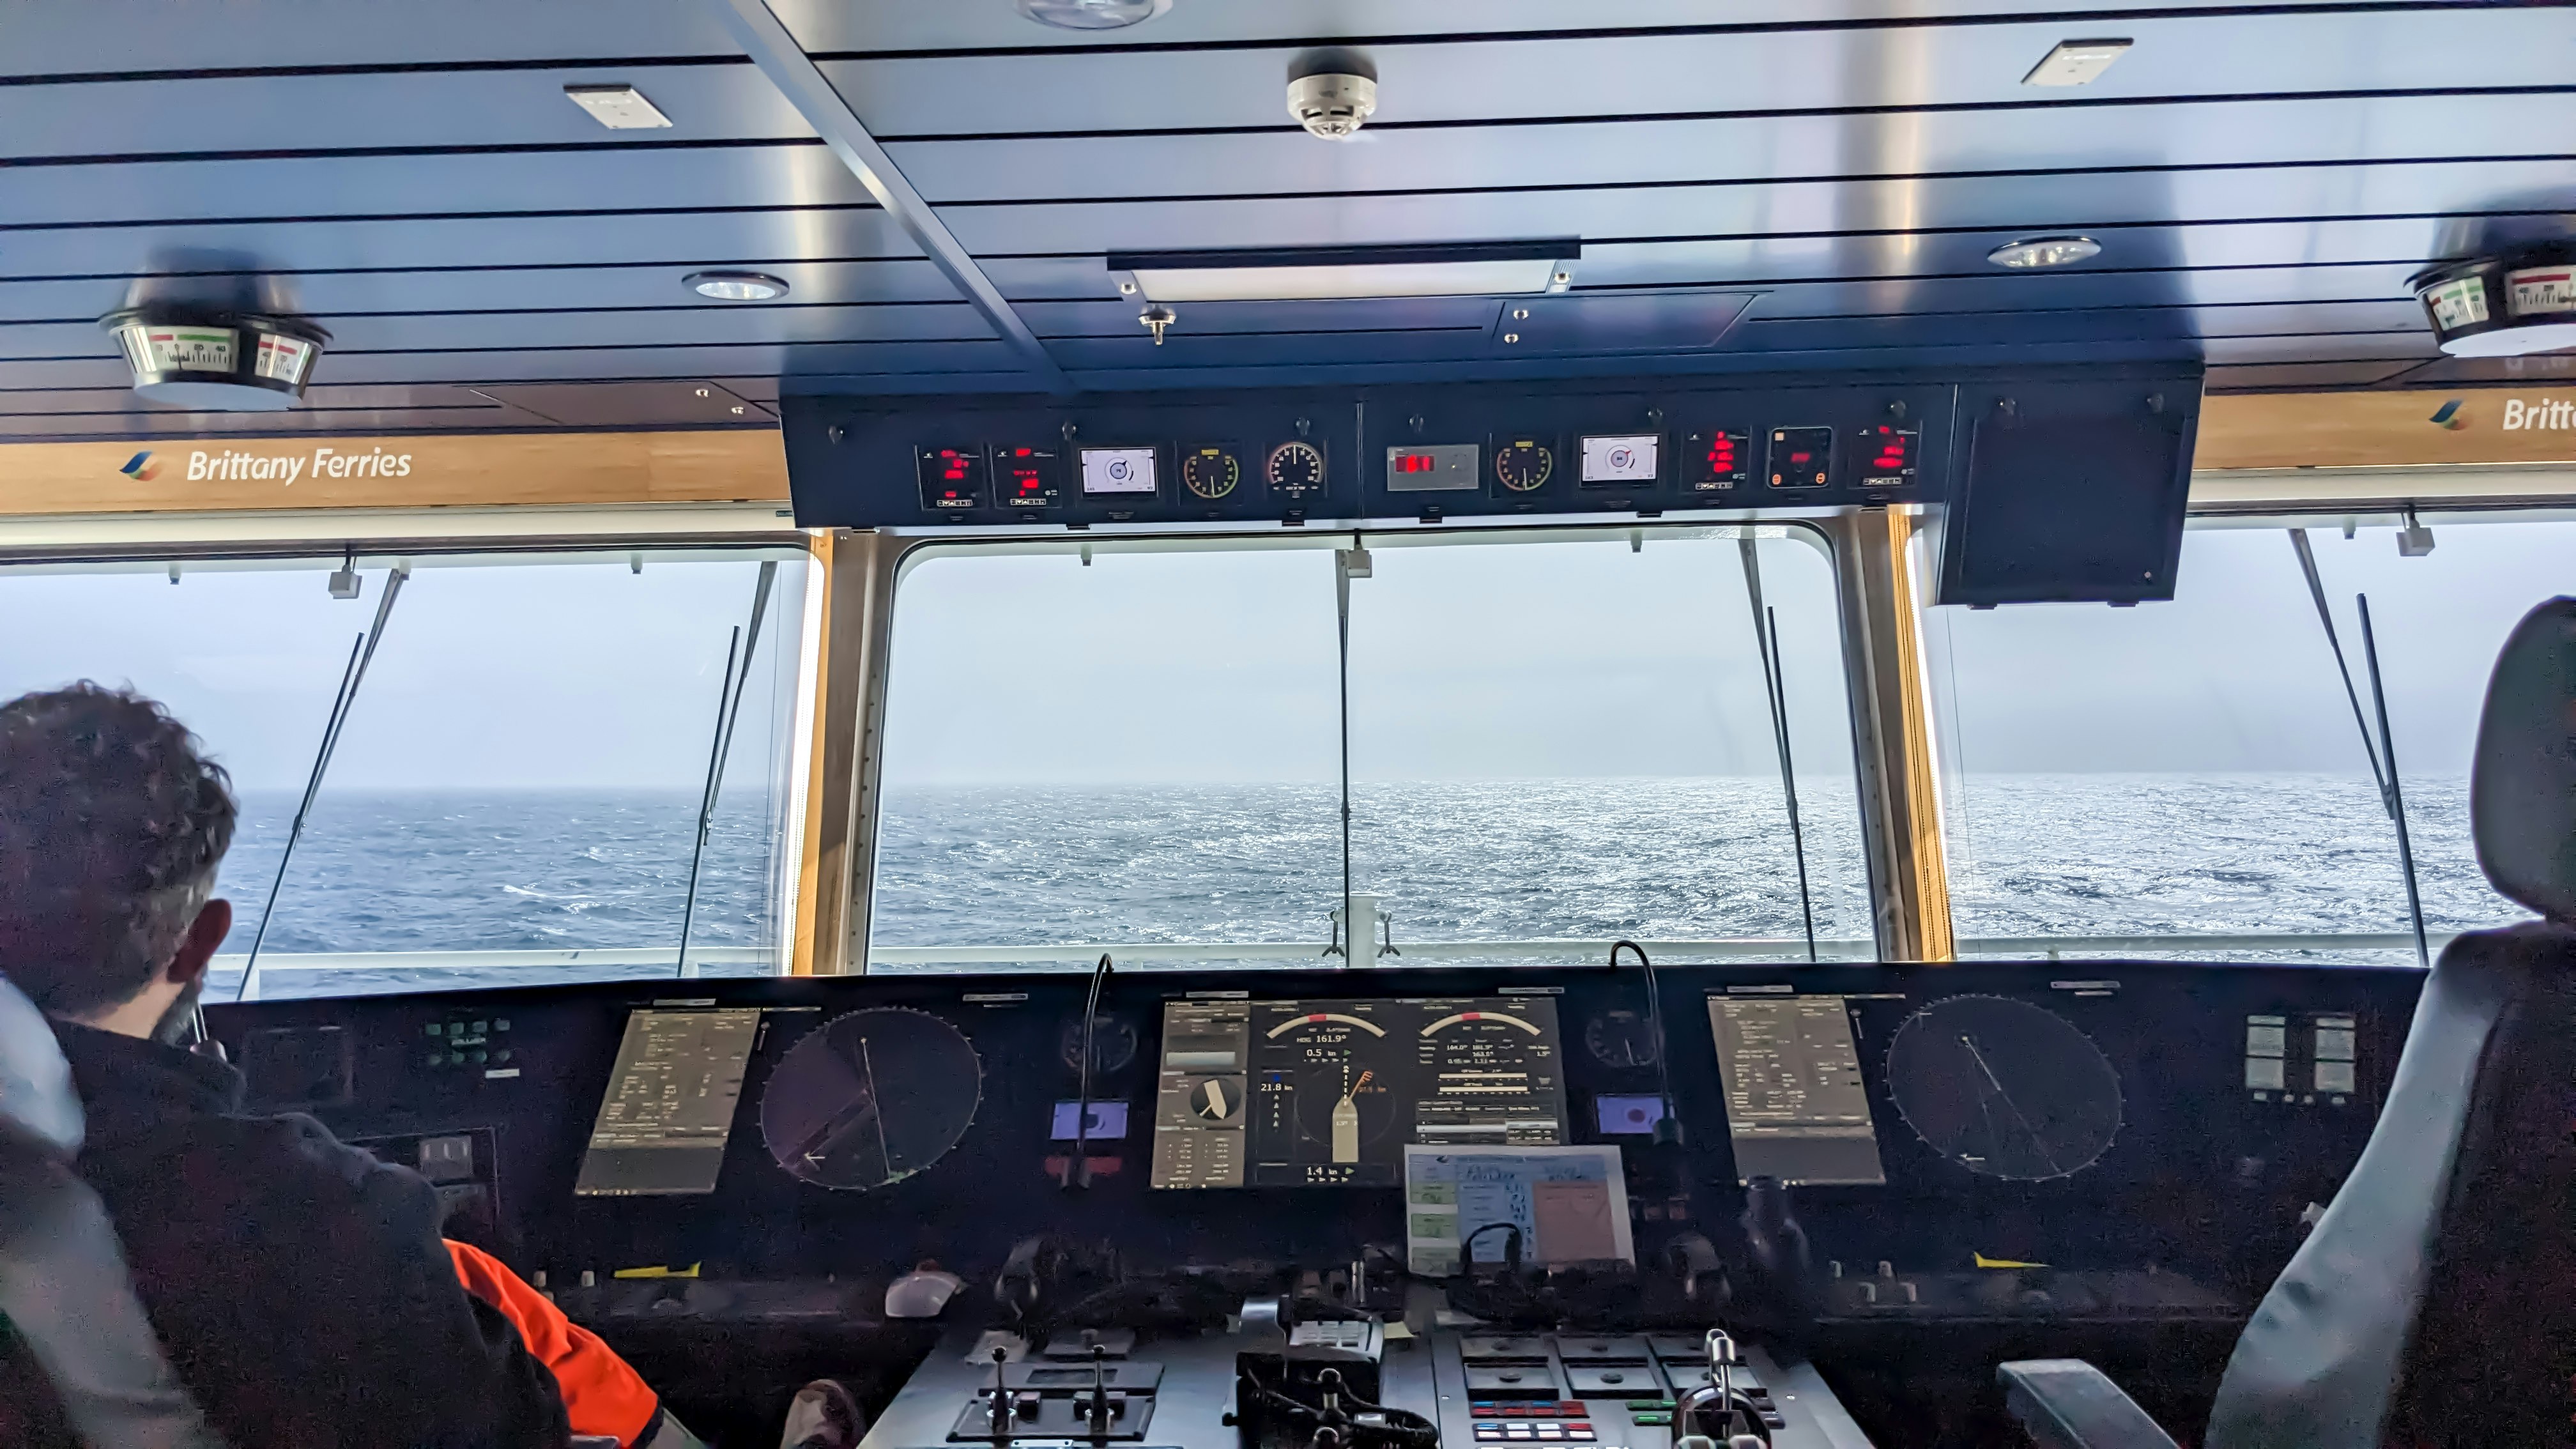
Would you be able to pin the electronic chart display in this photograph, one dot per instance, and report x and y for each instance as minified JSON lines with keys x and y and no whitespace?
{"x":1796,"y":1107}
{"x":668,"y":1112}
{"x":1330,"y":1093}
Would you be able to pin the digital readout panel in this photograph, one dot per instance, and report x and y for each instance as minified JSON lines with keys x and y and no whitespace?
{"x":663,"y":1125}
{"x":1329,"y":1093}
{"x":1796,"y":1106}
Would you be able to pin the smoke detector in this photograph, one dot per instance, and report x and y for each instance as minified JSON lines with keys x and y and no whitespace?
{"x":1332,"y":92}
{"x":216,"y":361}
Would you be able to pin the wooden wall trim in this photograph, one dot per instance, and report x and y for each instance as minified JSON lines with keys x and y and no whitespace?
{"x":420,"y":471}
{"x":2469,"y":426}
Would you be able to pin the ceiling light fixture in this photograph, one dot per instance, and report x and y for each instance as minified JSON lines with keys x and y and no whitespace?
{"x":2075,"y":62}
{"x":216,"y":361}
{"x":619,"y":108}
{"x":2507,"y":306}
{"x":2034,"y":252}
{"x":1093,"y":14}
{"x":737,"y":286}
{"x":1313,"y":274}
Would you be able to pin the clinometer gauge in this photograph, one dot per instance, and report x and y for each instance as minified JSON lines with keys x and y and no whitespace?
{"x":1620,"y":1039}
{"x":1295,"y":469}
{"x":1113,"y":1044}
{"x":1522,"y":465}
{"x":1210,"y":472}
{"x":2004,"y":1088}
{"x":869,"y":1099}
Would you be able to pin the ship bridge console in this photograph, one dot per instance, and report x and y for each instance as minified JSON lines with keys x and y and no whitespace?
{"x":1379,"y":1206}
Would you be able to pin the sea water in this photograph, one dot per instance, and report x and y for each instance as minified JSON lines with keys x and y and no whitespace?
{"x":2058,"y":856}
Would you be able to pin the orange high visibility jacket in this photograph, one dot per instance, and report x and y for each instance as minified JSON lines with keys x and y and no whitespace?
{"x":601,"y":1394}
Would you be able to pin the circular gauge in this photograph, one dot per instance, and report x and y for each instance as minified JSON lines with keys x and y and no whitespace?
{"x":1523,"y":466}
{"x":1217,"y":1099}
{"x":2004,"y":1088}
{"x":1211,"y":473}
{"x":870,"y":1098}
{"x":1621,"y":1039}
{"x":1113,"y":1043}
{"x":1295,"y":467}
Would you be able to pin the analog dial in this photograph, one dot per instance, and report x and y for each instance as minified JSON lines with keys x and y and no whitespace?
{"x":1621,"y":1039}
{"x":1113,"y":1044}
{"x":1295,"y":468}
{"x":1523,"y":465}
{"x":1210,"y":472}
{"x":2004,"y":1088}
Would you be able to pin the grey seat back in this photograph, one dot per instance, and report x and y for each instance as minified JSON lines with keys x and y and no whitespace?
{"x":2422,"y":1308}
{"x":63,"y":1283}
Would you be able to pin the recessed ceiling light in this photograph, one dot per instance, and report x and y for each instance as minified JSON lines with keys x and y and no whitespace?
{"x":619,"y":108}
{"x":1093,"y":14}
{"x":1279,"y":274}
{"x":2044,"y":251}
{"x":736,"y":286}
{"x":2075,"y":62}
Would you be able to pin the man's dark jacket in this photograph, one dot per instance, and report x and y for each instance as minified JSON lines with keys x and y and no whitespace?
{"x":299,"y":1286}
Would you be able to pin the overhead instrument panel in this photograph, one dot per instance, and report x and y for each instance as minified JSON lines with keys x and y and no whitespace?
{"x":1329,"y":1093}
{"x":1414,"y":452}
{"x":870,"y":1098}
{"x":2004,"y":1088}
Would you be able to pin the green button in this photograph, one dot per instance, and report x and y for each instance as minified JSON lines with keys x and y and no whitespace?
{"x":456,"y":1059}
{"x":1650,"y":1418}
{"x":436,"y":1029}
{"x":1650,"y":1406}
{"x":481,"y":1027}
{"x":476,"y":1056}
{"x":500,"y":1023}
{"x":505,"y":1054}
{"x":437,"y":1058}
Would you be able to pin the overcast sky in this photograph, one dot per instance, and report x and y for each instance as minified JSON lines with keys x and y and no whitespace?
{"x":1493,"y":660}
{"x":577,"y":676}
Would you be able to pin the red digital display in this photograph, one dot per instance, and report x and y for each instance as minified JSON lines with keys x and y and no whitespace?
{"x":1027,"y":477}
{"x":1415,"y":463}
{"x":951,"y":478}
{"x":1887,"y":455}
{"x":1716,"y":460}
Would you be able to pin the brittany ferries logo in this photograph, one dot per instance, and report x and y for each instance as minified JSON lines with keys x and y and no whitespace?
{"x":141,"y":468}
{"x":234,"y":464}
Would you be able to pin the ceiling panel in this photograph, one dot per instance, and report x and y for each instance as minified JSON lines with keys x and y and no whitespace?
{"x":837,"y":25}
{"x":1159,"y":87}
{"x":342,"y":112}
{"x":339,"y":294}
{"x":1766,"y":147}
{"x":124,"y":36}
{"x":2301,"y":376}
{"x":499,"y":331}
{"x":2012,"y":204}
{"x":681,"y":239}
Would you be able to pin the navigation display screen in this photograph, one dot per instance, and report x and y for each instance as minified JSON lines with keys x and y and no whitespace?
{"x":1795,"y":1103}
{"x":1118,"y":472}
{"x":669,"y":1110}
{"x":1330,"y":1093}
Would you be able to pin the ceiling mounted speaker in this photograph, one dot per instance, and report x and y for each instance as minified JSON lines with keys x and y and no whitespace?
{"x":2505,"y":306}
{"x":217,"y":361}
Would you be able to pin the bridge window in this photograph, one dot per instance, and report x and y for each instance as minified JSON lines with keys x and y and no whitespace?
{"x":515,"y":793}
{"x":1556,"y":739}
{"x":2187,"y":779}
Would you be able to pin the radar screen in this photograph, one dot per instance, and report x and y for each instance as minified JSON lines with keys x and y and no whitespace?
{"x":1329,"y":1093}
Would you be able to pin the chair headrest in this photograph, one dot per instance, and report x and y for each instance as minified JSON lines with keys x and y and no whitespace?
{"x":2522,"y":792}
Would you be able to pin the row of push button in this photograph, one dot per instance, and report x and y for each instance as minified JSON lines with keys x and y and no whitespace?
{"x":1491,"y":1432}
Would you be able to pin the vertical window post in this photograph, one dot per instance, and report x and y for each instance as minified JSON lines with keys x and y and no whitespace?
{"x":1900,"y":812}
{"x":837,"y":863}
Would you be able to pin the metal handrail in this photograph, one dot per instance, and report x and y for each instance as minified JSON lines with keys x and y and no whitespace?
{"x":281,"y":968}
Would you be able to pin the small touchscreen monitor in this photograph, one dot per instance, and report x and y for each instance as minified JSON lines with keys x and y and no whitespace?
{"x":1118,"y":473}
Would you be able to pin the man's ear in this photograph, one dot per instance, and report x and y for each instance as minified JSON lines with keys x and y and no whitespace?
{"x":205,"y":934}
